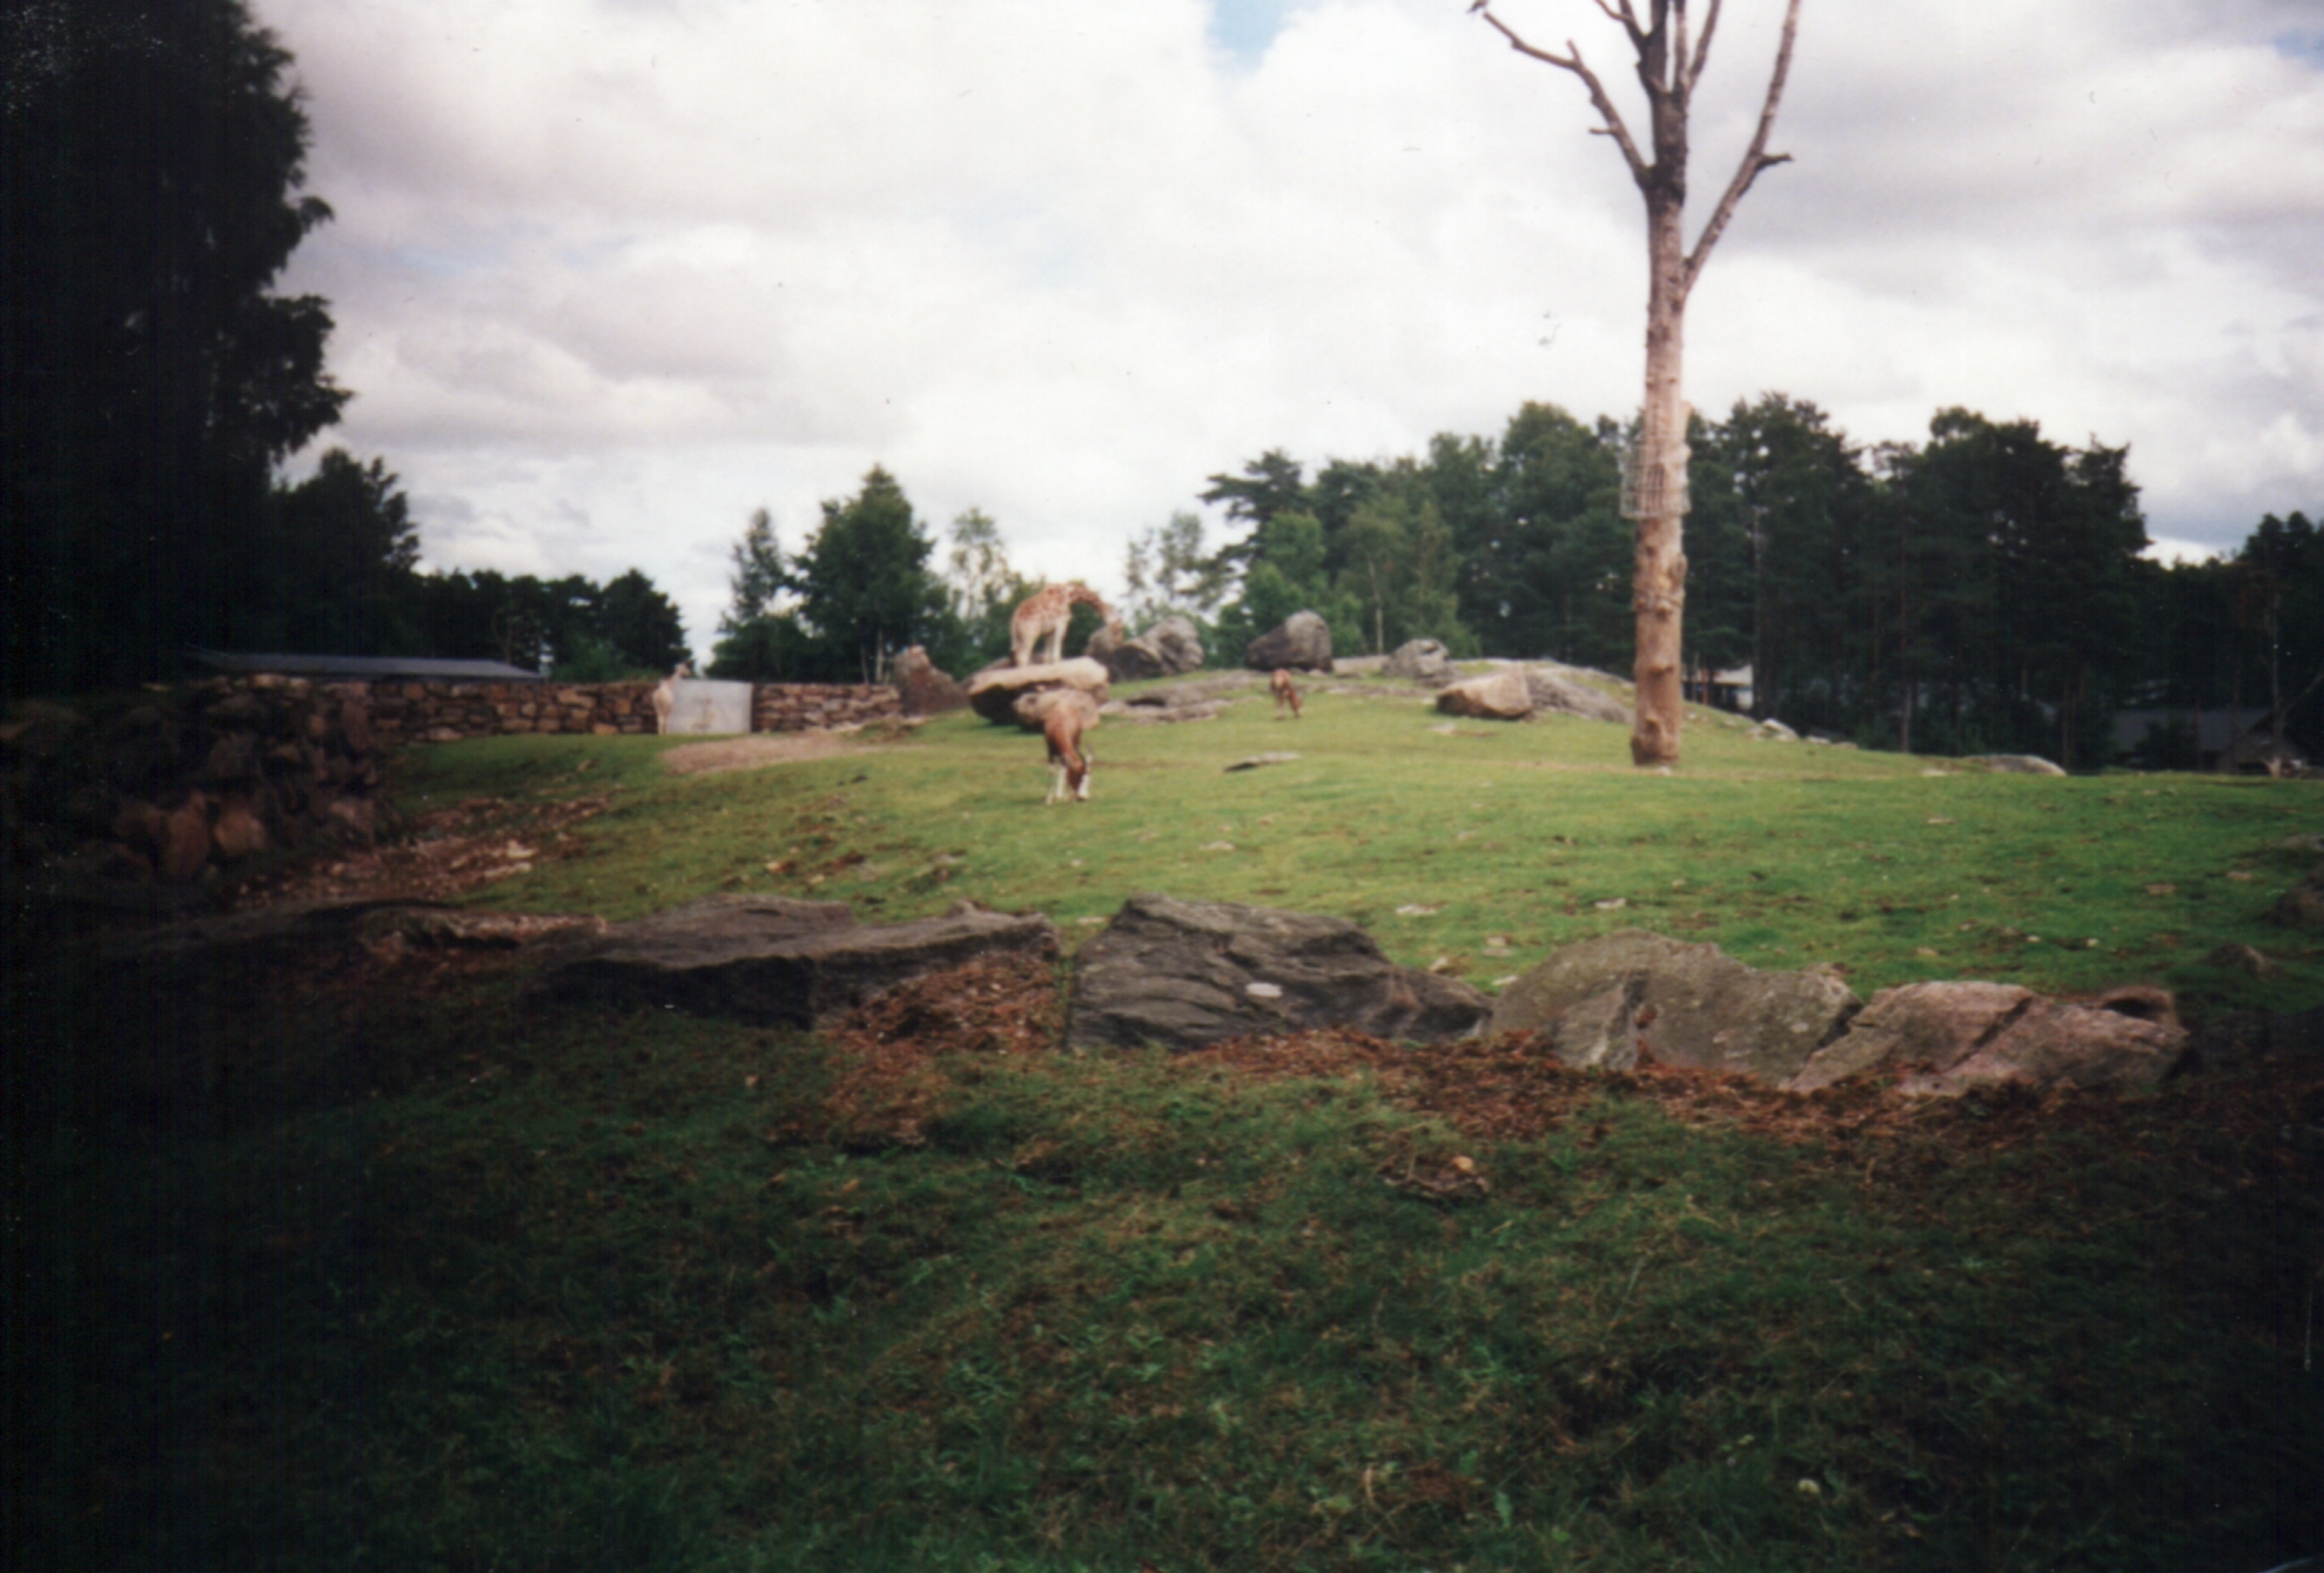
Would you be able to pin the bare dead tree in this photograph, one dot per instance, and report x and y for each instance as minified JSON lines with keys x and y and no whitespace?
{"x":1654,"y":481}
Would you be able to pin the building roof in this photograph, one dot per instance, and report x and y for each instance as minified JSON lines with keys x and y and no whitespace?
{"x":364,"y":669}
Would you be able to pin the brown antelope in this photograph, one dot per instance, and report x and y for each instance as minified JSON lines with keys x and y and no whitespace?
{"x":1069,"y":717}
{"x":665,"y":695}
{"x":1286,"y":693}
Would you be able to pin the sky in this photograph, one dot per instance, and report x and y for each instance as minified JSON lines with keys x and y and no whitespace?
{"x":610,"y":274}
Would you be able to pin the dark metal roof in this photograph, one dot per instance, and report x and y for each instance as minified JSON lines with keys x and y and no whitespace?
{"x":365,"y":667}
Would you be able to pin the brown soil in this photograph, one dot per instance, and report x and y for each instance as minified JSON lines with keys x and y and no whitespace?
{"x":439,"y":856}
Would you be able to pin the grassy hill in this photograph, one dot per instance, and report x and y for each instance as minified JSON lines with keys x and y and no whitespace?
{"x":383,"y":1262}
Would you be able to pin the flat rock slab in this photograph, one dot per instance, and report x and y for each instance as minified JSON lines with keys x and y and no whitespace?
{"x":1181,"y":974}
{"x":1500,"y":696}
{"x":782,"y":962}
{"x":1940,"y":1039}
{"x":994,"y":692}
{"x":1597,"y":1002}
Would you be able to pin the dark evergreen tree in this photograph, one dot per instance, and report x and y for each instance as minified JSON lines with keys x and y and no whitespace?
{"x":152,"y":154}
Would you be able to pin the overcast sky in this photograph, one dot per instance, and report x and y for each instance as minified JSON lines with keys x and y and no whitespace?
{"x":608,"y":274}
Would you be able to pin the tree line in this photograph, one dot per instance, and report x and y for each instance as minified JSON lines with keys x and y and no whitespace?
{"x":1981,"y":591}
{"x":152,"y":385}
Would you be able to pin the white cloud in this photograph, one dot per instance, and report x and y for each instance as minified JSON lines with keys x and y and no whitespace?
{"x":608,"y":275}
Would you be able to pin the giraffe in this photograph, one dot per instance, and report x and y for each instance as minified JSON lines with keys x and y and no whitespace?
{"x":1041,"y":618}
{"x":665,"y":695}
{"x":1069,"y":715}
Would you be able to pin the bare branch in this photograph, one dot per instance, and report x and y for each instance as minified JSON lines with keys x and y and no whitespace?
{"x":1640,"y":171}
{"x":1754,"y":159}
{"x":1681,"y":83}
{"x":1702,"y":46}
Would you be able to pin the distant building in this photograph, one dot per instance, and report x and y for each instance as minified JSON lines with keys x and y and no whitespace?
{"x":363,"y":668}
{"x":2222,"y":741}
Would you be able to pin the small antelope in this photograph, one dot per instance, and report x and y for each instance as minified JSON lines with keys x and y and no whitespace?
{"x":665,"y":695}
{"x":1286,"y":693}
{"x":1068,"y":718}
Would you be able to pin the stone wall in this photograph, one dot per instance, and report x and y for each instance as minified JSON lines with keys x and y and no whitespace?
{"x":409,"y":710}
{"x":820,"y":706}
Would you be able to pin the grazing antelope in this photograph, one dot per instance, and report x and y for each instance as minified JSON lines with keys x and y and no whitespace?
{"x":665,"y":695}
{"x":1069,"y":717}
{"x":1040,"y":619}
{"x":1287,"y":691}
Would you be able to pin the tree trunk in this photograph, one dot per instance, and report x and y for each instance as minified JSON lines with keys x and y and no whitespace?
{"x":1658,"y":580}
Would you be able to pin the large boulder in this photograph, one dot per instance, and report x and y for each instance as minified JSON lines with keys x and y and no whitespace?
{"x":993,"y":693}
{"x":1170,"y":649}
{"x":1500,"y":695}
{"x":1601,"y":1001}
{"x":927,"y":688}
{"x":1301,"y":642}
{"x":1421,"y":661}
{"x":1185,"y":973}
{"x":1942,"y":1039}
{"x":770,"y":959}
{"x":1554,"y":690}
{"x":1935,"y":1023}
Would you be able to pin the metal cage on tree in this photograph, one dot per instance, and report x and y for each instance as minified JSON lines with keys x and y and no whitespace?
{"x":1653,"y":490}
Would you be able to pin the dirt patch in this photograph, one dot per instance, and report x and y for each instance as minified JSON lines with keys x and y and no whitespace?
{"x":890,"y":1086}
{"x":445,"y":853}
{"x":760,"y":750}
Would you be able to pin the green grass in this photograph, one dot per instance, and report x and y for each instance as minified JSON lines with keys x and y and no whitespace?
{"x":1783,"y":854}
{"x":323,"y":1267}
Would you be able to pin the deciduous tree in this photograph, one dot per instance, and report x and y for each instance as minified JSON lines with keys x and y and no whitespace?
{"x":1669,"y":65}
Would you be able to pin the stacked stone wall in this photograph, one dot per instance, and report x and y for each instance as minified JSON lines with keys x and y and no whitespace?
{"x":821,"y":706}
{"x":409,"y":710}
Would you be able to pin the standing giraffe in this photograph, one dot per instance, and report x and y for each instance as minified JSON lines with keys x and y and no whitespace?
{"x":1041,"y":618}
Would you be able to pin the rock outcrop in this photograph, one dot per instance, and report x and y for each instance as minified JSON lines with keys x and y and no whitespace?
{"x":1554,"y":691}
{"x":1500,"y":696}
{"x":1424,"y":661}
{"x":780,"y":962}
{"x":1180,"y":974}
{"x":1301,"y":642}
{"x":1599,"y":1002}
{"x":926,"y":689}
{"x":994,"y":692}
{"x":1942,"y":1039}
{"x":1170,"y":649}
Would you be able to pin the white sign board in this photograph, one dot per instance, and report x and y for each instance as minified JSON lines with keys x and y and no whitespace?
{"x":707,"y":709}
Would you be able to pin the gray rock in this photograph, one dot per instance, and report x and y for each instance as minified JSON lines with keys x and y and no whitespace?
{"x":926,"y":689}
{"x":1421,"y":661}
{"x":1554,"y":691}
{"x":1185,"y":973}
{"x":1935,"y":1023}
{"x":1170,"y":649}
{"x":766,"y":959}
{"x":1301,"y":642}
{"x":2015,"y":764}
{"x":2057,"y":1044}
{"x":993,"y":693}
{"x":1501,"y":696}
{"x":1688,"y":1004}
{"x":1942,"y":1039}
{"x":1772,"y":731}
